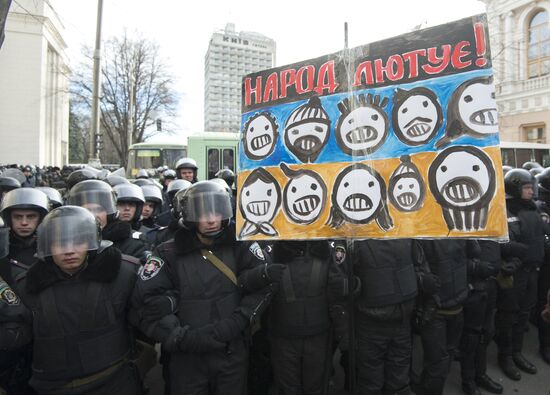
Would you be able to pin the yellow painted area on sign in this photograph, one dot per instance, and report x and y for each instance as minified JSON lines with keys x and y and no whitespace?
{"x":427,"y":222}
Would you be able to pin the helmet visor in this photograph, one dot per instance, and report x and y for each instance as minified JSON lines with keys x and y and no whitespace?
{"x":92,"y":199}
{"x":199,"y":206}
{"x":66,"y":234}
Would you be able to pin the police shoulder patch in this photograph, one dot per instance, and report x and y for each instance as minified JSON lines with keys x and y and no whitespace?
{"x":151,"y":268}
{"x":257,"y":251}
{"x":339,"y":254}
{"x":7,"y":295}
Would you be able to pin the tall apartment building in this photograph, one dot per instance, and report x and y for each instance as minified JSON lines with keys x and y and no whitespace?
{"x":34,"y":81}
{"x":230,"y":56}
{"x":520,"y":47}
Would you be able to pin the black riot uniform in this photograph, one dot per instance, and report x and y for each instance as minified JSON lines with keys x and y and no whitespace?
{"x":215,"y":281}
{"x":15,"y":326}
{"x":387,"y":270}
{"x":298,"y":319}
{"x":441,"y":314}
{"x":81,"y":336}
{"x":98,"y":195}
{"x":524,"y":254}
{"x":544,"y":274}
{"x":479,"y":315}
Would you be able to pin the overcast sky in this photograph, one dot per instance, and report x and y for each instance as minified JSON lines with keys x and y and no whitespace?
{"x":301,"y":29}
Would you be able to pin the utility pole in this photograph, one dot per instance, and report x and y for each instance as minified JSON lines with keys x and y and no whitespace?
{"x":131,"y":105}
{"x":95,"y":136}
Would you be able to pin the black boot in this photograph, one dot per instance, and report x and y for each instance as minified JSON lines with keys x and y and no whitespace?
{"x":469,"y":387}
{"x":523,"y":363}
{"x":508,"y":367}
{"x":488,"y":384}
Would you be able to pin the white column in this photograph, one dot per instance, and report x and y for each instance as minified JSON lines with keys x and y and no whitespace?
{"x":509,"y":58}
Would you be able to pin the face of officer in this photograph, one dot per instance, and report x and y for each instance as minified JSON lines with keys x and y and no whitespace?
{"x":209,"y":224}
{"x":70,"y":257}
{"x":527,"y":192}
{"x":24,"y":222}
{"x":126,"y":211}
{"x":148,"y":210}
{"x":187,"y":174}
{"x":98,"y":211}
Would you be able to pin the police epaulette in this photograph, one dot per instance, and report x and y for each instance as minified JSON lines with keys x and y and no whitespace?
{"x":131,"y":259}
{"x":19,"y":264}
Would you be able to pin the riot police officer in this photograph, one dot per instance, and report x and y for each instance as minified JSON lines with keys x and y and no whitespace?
{"x":99,"y":198}
{"x":544,"y":274}
{"x":217,"y":283}
{"x":129,"y":203}
{"x":167,"y":216}
{"x":298,"y":320}
{"x":79,"y":292}
{"x":387,"y":271}
{"x":526,"y":248}
{"x":15,"y":326}
{"x":151,"y":207}
{"x":186,"y":169}
{"x":22,"y":210}
{"x":442,"y":317}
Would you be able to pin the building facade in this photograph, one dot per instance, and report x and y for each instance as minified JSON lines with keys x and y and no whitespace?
{"x":34,"y":87}
{"x":230,"y":56}
{"x":520,"y":47}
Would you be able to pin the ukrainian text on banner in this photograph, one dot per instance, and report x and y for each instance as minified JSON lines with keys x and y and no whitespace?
{"x":397,"y":138}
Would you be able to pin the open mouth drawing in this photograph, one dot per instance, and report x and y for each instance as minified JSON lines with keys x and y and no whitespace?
{"x":306,"y":205}
{"x":258,"y":208}
{"x":357,"y":202}
{"x":260,"y":142}
{"x":486,"y":117}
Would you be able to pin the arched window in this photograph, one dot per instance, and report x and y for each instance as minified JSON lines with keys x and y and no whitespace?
{"x":538,"y":53}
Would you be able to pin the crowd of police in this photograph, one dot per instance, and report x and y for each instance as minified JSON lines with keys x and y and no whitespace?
{"x":95,"y":274}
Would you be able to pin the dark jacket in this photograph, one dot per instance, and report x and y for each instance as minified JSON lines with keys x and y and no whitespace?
{"x":527,"y":233}
{"x":79,"y":321}
{"x":301,"y":305}
{"x":448,"y":259}
{"x":204,"y":294}
{"x":23,"y":249}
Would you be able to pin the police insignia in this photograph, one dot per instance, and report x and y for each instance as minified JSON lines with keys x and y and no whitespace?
{"x":151,"y":268}
{"x":257,"y":251}
{"x":339,"y":254}
{"x":8,"y":296}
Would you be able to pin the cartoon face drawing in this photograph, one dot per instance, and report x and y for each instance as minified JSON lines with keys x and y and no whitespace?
{"x":260,"y":199}
{"x":307,"y":130}
{"x":363,"y":126}
{"x":462,"y":180}
{"x":407,"y":189}
{"x":472,"y":110}
{"x":359,"y":196}
{"x":304,"y":196}
{"x":416,"y":115}
{"x":260,"y":135}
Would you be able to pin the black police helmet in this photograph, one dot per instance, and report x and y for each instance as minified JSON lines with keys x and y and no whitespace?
{"x":514,"y":181}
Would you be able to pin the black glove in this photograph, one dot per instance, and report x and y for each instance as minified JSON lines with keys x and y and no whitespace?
{"x":157,"y":307}
{"x":510,"y":266}
{"x":274,"y":271}
{"x":481,"y":269}
{"x":229,"y":328}
{"x":201,"y":340}
{"x":429,"y":283}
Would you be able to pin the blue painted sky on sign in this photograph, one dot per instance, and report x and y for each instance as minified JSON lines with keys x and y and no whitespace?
{"x":443,"y":87}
